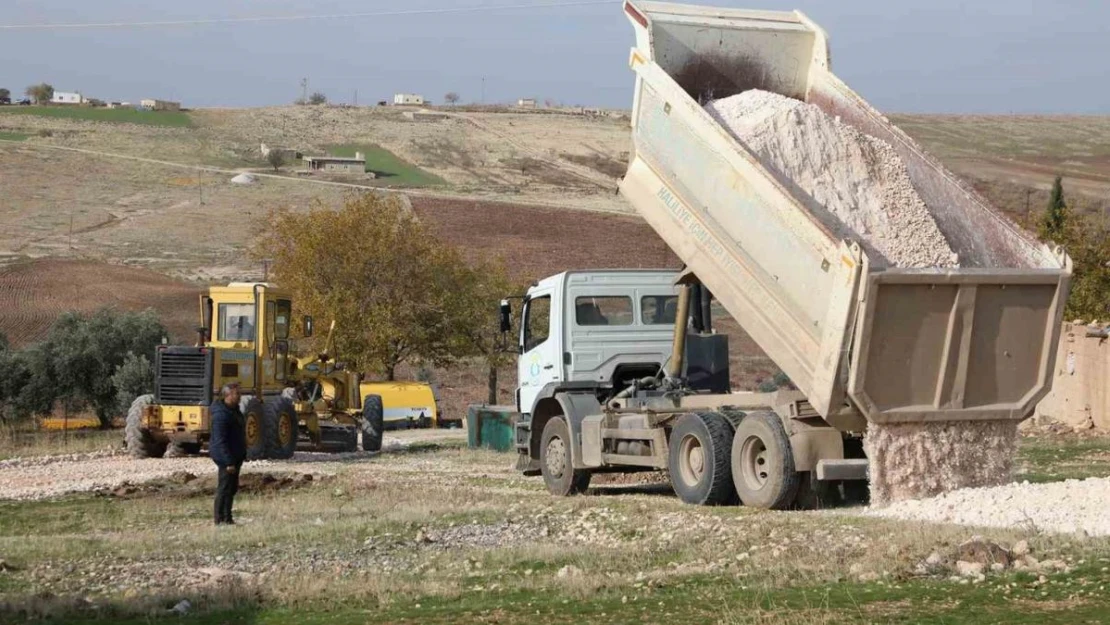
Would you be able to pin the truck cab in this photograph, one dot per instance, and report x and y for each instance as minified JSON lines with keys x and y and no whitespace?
{"x":587,"y":335}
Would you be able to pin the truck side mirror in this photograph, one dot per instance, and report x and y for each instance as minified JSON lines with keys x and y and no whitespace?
{"x":308,"y":329}
{"x":506,"y":317}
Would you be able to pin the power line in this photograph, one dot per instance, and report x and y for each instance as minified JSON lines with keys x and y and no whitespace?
{"x":295,"y":18}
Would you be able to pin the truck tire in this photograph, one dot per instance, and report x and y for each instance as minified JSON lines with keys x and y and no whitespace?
{"x":254,"y":422}
{"x":140,"y":442}
{"x":700,"y":453}
{"x":763,"y":463}
{"x":372,"y":423}
{"x":281,"y":428}
{"x":555,"y":462}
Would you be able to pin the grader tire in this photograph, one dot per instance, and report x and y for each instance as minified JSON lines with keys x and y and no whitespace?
{"x":254,"y":421}
{"x":140,"y":442}
{"x":763,"y":463}
{"x":700,"y":453}
{"x":281,"y":428}
{"x":372,"y":425}
{"x":558,"y":471}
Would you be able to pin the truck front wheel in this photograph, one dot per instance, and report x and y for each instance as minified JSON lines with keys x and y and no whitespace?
{"x":763,"y":463}
{"x":555,"y":461}
{"x":700,"y":451}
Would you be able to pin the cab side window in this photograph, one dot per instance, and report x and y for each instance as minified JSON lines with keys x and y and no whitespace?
{"x":537,"y":322}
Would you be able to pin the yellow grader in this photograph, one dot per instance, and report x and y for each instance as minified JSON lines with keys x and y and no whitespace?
{"x":286,"y":402}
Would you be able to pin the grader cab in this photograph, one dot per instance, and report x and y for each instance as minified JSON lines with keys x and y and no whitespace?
{"x":287,"y":403}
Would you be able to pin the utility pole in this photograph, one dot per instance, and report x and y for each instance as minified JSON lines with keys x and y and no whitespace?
{"x":356,"y":97}
{"x":304,"y":91}
{"x":266,"y":269}
{"x":483,"y":89}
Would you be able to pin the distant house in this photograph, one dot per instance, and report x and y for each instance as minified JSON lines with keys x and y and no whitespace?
{"x":67,"y":97}
{"x":408,"y":99}
{"x":337,"y":164}
{"x":526,"y":103}
{"x":160,"y":105}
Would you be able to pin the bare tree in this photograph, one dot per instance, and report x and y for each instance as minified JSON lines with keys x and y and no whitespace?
{"x":451,"y":98}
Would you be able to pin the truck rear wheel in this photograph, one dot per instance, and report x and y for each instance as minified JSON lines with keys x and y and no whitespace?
{"x":372,"y":424}
{"x":700,"y":452}
{"x":281,"y":428}
{"x":254,"y":418}
{"x":140,"y":442}
{"x":763,"y":463}
{"x":555,"y":461}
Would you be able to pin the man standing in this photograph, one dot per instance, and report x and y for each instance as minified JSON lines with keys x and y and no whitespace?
{"x":228,"y":449}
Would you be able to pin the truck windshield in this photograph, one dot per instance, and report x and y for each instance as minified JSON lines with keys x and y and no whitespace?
{"x":236,"y":322}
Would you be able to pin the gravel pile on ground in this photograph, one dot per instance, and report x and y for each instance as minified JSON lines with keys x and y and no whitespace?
{"x":1073,"y":506}
{"x":854,"y":183}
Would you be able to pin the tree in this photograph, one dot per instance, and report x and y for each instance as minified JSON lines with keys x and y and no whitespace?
{"x":40,"y":93}
{"x":5,"y":94}
{"x":134,"y":377}
{"x":82,"y":354}
{"x":451,"y":98}
{"x":1054,"y":224}
{"x":317,"y":98}
{"x":394,"y":290}
{"x":276,"y":158}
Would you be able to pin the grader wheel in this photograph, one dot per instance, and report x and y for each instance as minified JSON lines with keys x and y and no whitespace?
{"x":281,"y":429}
{"x":254,"y":417}
{"x":140,"y":442}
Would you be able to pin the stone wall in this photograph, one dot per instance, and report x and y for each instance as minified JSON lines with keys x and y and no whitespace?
{"x":1080,"y":394}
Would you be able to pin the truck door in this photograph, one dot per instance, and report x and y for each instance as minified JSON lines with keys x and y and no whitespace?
{"x":540,"y":361}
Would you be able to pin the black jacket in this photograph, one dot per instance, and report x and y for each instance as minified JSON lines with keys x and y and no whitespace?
{"x":229,"y":437}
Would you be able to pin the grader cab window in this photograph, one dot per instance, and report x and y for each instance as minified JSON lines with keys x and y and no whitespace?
{"x":282,"y":318}
{"x":237,"y":322}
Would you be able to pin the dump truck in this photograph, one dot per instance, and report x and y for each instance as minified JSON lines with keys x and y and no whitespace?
{"x":605,"y":388}
{"x":288,"y":402}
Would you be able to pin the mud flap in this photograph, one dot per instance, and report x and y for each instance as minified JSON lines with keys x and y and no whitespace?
{"x":591,"y":440}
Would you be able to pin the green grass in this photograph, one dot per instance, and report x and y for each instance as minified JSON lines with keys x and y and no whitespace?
{"x":1055,"y":460}
{"x":390,"y":168}
{"x":12,"y":136}
{"x":173,"y":119}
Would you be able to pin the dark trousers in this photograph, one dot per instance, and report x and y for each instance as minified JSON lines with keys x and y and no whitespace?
{"x":227,"y":484}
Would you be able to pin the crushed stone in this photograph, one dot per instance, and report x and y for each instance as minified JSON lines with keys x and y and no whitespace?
{"x":918,"y":460}
{"x":1070,"y":507}
{"x":855,"y":184}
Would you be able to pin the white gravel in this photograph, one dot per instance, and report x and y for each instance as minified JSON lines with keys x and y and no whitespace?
{"x":50,"y":476}
{"x":1073,"y":506}
{"x":854,"y":183}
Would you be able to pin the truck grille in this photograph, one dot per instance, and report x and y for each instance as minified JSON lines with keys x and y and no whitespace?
{"x":184,"y":376}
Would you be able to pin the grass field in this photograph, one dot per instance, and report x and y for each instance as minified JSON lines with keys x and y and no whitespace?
{"x":12,"y":136}
{"x":436,"y":533}
{"x":173,"y":119}
{"x":388,"y":166}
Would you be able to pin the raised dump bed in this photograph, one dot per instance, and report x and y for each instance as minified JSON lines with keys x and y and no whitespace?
{"x":887,"y":344}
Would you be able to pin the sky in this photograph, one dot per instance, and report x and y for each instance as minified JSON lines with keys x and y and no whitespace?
{"x":921,"y":56}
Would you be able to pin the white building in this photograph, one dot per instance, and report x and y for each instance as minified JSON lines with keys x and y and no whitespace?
{"x":526,"y":103}
{"x":67,"y":97}
{"x":408,"y":99}
{"x":160,"y":105}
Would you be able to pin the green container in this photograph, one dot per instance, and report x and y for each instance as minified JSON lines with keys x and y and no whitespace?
{"x":490,"y":427}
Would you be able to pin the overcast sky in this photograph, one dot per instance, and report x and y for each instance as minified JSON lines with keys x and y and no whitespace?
{"x":944,"y":56}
